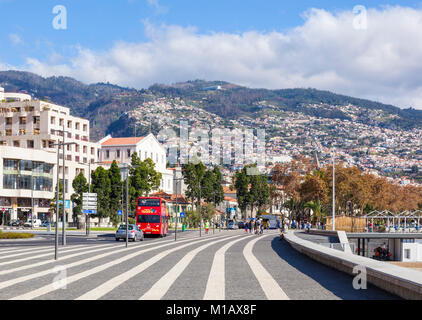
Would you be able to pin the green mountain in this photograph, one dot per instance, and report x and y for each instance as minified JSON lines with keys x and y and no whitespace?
{"x":107,"y":106}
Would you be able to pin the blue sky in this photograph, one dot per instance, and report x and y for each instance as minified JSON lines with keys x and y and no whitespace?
{"x":108,"y":32}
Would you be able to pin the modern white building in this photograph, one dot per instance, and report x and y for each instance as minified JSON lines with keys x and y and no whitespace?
{"x":122,"y":149}
{"x":28,"y":131}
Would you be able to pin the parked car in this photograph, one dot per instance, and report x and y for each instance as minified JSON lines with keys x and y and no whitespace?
{"x":241,"y":225}
{"x":35,"y":223}
{"x":232,"y":225}
{"x":45,"y":223}
{"x":16,"y":223}
{"x":135,"y":233}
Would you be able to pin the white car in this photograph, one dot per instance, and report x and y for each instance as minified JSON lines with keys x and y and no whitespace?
{"x":36,"y":223}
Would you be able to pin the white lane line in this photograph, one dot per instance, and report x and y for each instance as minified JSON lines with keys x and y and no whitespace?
{"x":37,"y":256}
{"x":160,"y":288}
{"x":37,"y":264}
{"x":21,"y":249}
{"x":111,"y":284}
{"x":216,"y":285}
{"x":270,"y":287}
{"x":37,"y":251}
{"x":50,"y":287}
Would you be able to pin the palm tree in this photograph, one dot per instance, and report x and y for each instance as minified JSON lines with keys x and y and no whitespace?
{"x":316,"y":208}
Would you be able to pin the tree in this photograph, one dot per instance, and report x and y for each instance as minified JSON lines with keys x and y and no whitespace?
{"x":193,"y":176}
{"x":143,"y":178}
{"x":241,"y":184}
{"x":101,"y":185}
{"x":80,"y":186}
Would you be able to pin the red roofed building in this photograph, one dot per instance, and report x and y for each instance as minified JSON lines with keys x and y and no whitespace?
{"x":122,"y":149}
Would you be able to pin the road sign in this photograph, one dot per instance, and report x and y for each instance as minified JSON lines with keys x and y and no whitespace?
{"x":119,"y":212}
{"x":182,"y":214}
{"x":89,"y":211}
{"x":89,"y":195}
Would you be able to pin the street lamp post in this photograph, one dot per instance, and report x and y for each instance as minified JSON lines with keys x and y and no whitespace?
{"x":200,"y":210}
{"x":126,"y":169}
{"x":334,"y":193}
{"x":175,"y":229}
{"x":58,"y":144}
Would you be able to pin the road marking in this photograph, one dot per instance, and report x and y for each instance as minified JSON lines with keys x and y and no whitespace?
{"x":270,"y":287}
{"x":50,"y":287}
{"x":20,"y":249}
{"x":160,"y":288}
{"x":111,"y":284}
{"x":37,"y":264}
{"x":37,"y":251}
{"x":216,"y":289}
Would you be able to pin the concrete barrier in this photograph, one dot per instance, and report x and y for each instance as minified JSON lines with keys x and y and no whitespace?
{"x":403,"y":282}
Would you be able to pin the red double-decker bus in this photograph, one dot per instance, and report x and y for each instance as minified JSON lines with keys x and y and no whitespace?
{"x":152,"y":216}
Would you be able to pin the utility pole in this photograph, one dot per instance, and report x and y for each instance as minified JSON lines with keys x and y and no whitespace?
{"x":200,"y":210}
{"x":57,"y":202}
{"x":64,"y":192}
{"x":334,"y":192}
{"x":127,"y":205}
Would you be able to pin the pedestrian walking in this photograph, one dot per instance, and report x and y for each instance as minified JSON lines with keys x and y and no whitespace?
{"x":207,"y":226}
{"x":246,"y":227}
{"x":262,"y":228}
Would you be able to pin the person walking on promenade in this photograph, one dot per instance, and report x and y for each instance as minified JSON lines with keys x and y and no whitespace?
{"x":262,"y":227}
{"x":207,"y":226}
{"x":246,"y":227}
{"x":251,"y":226}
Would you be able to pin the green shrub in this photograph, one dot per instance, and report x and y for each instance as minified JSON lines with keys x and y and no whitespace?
{"x":15,"y":235}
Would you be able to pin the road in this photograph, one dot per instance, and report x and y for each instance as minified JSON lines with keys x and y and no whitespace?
{"x":228,"y":265}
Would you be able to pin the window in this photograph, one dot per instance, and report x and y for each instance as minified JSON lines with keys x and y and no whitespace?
{"x":53,"y":120}
{"x":36,"y":120}
{"x":92,"y":151}
{"x":149,"y":202}
{"x":9,"y":120}
{"x":128,"y":153}
{"x":22,"y":120}
{"x":36,"y":131}
{"x":61,"y":121}
{"x":118,"y":153}
{"x":407,"y":253}
{"x":146,"y":155}
{"x":146,"y":218}
{"x":77,"y":125}
{"x":8,"y":132}
{"x":16,"y":143}
{"x":76,"y":147}
{"x":107,"y":154}
{"x":84,"y":149}
{"x":85,"y":127}
{"x":69,"y":124}
{"x":22,"y":132}
{"x":30,"y":144}
{"x":3,"y":143}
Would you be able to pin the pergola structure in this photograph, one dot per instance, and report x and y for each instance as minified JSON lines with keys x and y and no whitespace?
{"x":406,"y":221}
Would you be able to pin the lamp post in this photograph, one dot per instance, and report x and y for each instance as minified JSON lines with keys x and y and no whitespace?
{"x":175,"y":229}
{"x":200,"y":210}
{"x":58,"y":144}
{"x":334,"y":192}
{"x":126,"y":170}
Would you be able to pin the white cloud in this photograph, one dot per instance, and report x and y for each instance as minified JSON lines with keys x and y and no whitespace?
{"x":15,"y":38}
{"x":382,"y":63}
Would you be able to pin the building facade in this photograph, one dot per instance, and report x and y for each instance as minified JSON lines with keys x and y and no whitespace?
{"x":28,"y":131}
{"x":122,"y":149}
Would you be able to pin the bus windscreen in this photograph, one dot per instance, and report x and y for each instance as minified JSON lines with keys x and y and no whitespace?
{"x":149,"y":202}
{"x":148,"y":218}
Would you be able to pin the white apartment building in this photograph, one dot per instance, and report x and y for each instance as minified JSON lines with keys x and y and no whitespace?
{"x":121,"y":150}
{"x":28,"y":130}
